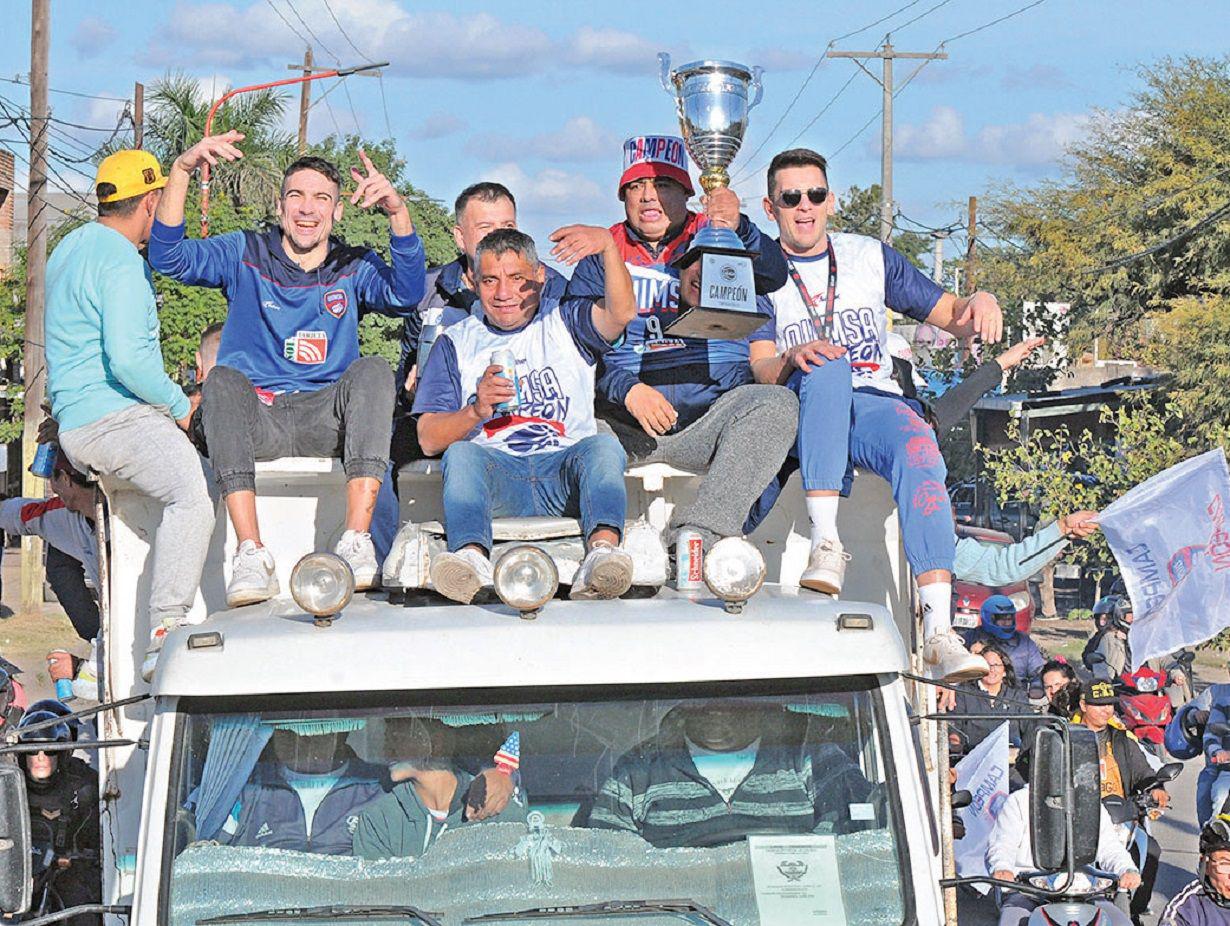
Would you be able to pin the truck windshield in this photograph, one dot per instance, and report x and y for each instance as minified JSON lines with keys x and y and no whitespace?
{"x":761,"y":808}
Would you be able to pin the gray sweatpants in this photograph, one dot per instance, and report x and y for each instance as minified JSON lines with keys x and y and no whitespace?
{"x":143,"y":446}
{"x":740,"y":443}
{"x":348,"y":419}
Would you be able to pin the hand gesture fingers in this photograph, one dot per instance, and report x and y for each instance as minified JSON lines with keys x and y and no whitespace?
{"x":574,"y":242}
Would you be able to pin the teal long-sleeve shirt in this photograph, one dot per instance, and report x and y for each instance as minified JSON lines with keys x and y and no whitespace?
{"x":996,"y":564}
{"x":101,"y":331}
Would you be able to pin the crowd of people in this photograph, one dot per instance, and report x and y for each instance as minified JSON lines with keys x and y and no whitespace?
{"x":537,"y":391}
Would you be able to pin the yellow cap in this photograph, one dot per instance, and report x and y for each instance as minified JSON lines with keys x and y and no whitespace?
{"x":132,"y":172}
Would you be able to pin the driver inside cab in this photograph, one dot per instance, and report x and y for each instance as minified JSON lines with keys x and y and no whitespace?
{"x":721,"y":770}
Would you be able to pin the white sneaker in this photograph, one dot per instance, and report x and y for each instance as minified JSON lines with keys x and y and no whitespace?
{"x":826,"y":568}
{"x":154,"y":650}
{"x":253,"y":576}
{"x":949,"y":660}
{"x":356,"y":549}
{"x":462,"y":575}
{"x":606,"y":572}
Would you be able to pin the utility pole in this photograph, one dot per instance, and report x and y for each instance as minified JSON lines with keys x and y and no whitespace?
{"x":886,"y":53}
{"x":971,"y":254}
{"x":138,"y":115}
{"x":937,"y":256}
{"x":305,"y":96}
{"x":34,"y":367}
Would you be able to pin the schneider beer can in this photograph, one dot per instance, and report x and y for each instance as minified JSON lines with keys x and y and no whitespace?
{"x":507,"y":362}
{"x":689,"y":561}
{"x":44,"y":461}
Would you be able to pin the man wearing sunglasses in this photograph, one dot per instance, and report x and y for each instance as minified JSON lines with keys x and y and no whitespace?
{"x":687,"y":402}
{"x":840,"y":290}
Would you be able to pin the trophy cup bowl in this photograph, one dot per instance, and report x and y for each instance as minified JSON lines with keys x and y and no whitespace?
{"x":712,"y":99}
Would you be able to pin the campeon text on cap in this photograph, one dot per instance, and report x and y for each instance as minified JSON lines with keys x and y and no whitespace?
{"x":656,"y":156}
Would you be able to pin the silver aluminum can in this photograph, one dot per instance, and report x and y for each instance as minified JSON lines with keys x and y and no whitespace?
{"x":689,"y":561}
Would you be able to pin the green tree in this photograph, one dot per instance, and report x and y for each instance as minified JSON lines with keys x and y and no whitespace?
{"x":858,"y":212}
{"x":1057,"y":473}
{"x":1149,"y":175}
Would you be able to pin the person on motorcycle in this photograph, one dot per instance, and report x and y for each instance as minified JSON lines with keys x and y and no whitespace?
{"x":998,"y":625}
{"x":1216,"y":747}
{"x":1058,"y":679}
{"x":1205,"y":901}
{"x":62,"y":792}
{"x":1009,"y":853}
{"x":1108,"y":654}
{"x":1185,"y":740}
{"x":1125,"y":770}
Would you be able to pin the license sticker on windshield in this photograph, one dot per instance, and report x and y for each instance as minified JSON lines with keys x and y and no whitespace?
{"x":862,"y":812}
{"x":796,"y":880}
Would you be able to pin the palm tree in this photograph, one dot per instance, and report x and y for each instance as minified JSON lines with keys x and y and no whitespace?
{"x":175,"y":120}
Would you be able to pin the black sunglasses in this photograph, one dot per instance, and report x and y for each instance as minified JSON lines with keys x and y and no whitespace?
{"x":791,"y":198}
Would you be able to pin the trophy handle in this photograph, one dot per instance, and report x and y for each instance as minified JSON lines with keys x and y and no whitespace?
{"x":757,"y":86}
{"x":664,"y":71}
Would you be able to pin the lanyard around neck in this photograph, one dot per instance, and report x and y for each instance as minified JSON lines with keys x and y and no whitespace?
{"x":824,"y":327}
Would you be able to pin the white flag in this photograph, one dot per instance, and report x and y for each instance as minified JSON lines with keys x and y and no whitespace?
{"x":984,"y":774}
{"x":1170,"y":538}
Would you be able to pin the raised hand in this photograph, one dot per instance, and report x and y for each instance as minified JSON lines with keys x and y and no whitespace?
{"x":374,"y":188}
{"x":210,"y":150}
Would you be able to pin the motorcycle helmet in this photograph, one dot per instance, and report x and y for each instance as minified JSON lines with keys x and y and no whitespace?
{"x":52,"y":733}
{"x":1214,"y":837}
{"x":1113,"y":610}
{"x":60,"y":709}
{"x":998,"y":615}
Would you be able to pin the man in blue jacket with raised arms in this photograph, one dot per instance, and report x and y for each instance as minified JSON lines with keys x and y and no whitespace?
{"x":289,"y":379}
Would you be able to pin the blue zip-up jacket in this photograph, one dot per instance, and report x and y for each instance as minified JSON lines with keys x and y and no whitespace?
{"x":1027,"y":657}
{"x":692,"y":373}
{"x":289,"y":329}
{"x":445,"y":289}
{"x":269,"y":813}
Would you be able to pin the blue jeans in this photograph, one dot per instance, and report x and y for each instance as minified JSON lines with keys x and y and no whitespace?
{"x":585,"y":480}
{"x":386,"y":516}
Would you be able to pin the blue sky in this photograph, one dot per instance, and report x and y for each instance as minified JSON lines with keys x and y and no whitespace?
{"x":540,"y":95}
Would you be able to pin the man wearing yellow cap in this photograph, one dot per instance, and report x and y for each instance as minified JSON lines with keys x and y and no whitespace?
{"x":117,"y":409}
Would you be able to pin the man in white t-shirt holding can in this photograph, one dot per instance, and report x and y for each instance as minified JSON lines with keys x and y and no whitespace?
{"x":838,"y":294}
{"x":529,"y":445}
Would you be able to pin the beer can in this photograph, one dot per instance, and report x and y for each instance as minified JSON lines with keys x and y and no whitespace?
{"x":689,"y":561}
{"x":44,"y":460}
{"x":506,"y":360}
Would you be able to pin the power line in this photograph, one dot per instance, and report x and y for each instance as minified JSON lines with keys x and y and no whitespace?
{"x":1209,"y":220}
{"x":815,"y":67}
{"x":993,"y":22}
{"x":923,"y":14}
{"x":349,"y":40}
{"x":78,"y":93}
{"x":327,"y":50}
{"x":299,"y":35}
{"x":851,"y":139}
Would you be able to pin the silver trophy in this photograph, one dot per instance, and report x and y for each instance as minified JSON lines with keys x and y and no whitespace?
{"x":717,"y":292}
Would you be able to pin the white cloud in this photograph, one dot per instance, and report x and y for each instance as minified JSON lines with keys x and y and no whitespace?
{"x":580,"y":139}
{"x":550,"y":191}
{"x":1040,"y":140}
{"x":612,"y":50}
{"x":438,"y":125}
{"x":91,"y":37}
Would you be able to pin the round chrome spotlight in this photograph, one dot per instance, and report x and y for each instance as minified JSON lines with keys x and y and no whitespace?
{"x":322,"y":584}
{"x":525,"y":578}
{"x":734,"y":571}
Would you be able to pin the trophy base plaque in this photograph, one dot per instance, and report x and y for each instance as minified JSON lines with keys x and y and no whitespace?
{"x":726,"y":309}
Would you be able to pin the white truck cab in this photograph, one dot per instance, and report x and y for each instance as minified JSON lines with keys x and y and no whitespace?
{"x":602,"y":702}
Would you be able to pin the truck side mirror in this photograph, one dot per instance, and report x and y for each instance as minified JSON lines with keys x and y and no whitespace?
{"x":1064,"y":784}
{"x":16,"y":861}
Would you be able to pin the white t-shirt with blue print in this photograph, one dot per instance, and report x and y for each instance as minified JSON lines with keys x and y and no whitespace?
{"x":555,"y":352}
{"x":871,"y":278}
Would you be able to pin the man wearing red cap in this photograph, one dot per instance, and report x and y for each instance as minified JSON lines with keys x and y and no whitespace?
{"x":687,"y":402}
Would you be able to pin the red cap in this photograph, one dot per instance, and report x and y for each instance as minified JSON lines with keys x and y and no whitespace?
{"x":656,"y":156}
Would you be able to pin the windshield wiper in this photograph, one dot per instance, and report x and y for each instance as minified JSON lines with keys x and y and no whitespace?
{"x":684,"y":909}
{"x":333,"y":912}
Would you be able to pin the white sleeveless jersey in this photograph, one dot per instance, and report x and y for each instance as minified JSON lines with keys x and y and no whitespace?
{"x":860,"y":307}
{"x":555,"y":377}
